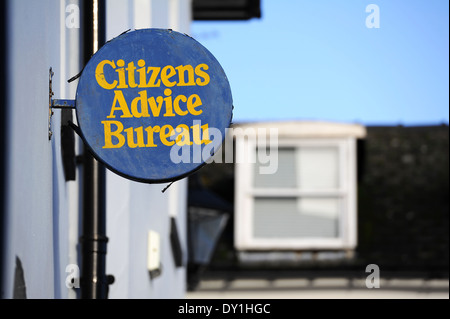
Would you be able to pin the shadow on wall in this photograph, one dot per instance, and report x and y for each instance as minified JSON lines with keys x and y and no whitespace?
{"x":20,"y":289}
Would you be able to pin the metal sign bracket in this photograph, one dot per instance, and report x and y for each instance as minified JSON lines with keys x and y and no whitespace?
{"x":56,"y":104}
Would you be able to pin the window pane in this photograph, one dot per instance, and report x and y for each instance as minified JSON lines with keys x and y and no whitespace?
{"x":296,"y":217}
{"x":318,"y":167}
{"x":303,"y":168}
{"x":285,"y":176}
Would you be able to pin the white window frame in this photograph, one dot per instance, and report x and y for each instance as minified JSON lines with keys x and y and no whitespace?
{"x":245,"y":194}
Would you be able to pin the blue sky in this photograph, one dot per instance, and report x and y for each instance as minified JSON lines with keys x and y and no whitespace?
{"x":317,"y":60}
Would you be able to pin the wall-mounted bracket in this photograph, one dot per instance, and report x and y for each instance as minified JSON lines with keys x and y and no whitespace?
{"x":63,"y":104}
{"x":55,"y":103}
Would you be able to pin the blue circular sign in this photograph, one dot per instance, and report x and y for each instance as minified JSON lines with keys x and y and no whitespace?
{"x":153,"y":105}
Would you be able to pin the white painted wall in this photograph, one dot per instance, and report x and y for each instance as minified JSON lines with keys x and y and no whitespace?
{"x":42,"y":209}
{"x":37,"y":206}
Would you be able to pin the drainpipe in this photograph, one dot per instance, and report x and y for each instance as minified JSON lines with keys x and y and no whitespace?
{"x":94,"y":281}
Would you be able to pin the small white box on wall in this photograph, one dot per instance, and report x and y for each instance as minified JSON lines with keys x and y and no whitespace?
{"x":153,"y":254}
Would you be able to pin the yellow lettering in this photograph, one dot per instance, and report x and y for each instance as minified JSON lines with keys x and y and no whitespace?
{"x":142,"y":98}
{"x":131,"y":81}
{"x":150,"y":130}
{"x":100,"y":75}
{"x":166,"y":131}
{"x":152,"y":82}
{"x":140,"y":137}
{"x":166,"y":76}
{"x":204,"y":75}
{"x":118,"y":97}
{"x":109,"y":134}
{"x":176,"y":105}
{"x":187,"y":75}
{"x":181,"y":72}
{"x":142,"y":74}
{"x":205,"y":137}
{"x":135,"y":137}
{"x":184,"y":137}
{"x":121,"y":72}
{"x":196,"y":134}
{"x":156,"y":106}
{"x":168,"y":100}
{"x":193,"y":102}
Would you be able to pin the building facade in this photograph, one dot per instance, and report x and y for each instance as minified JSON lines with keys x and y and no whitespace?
{"x":41,"y":203}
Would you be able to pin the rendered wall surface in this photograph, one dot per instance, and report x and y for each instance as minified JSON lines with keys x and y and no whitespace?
{"x":41,"y":212}
{"x":36,"y":211}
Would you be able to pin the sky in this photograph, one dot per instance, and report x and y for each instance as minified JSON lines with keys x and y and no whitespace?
{"x":319,"y":60}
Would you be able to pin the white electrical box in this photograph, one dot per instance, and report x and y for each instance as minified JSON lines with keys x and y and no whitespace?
{"x":153,"y":254}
